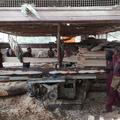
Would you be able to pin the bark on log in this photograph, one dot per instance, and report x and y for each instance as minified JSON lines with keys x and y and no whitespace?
{"x":13,"y":91}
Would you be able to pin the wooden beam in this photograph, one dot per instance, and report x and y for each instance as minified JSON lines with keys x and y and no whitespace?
{"x":73,"y":29}
{"x":61,"y":14}
{"x":58,"y":45}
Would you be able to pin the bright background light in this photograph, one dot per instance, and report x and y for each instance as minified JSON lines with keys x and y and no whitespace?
{"x":113,"y":36}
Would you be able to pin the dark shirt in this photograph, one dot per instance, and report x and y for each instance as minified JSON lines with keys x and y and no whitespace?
{"x":109,"y":61}
{"x":51,"y":54}
{"x":10,"y":53}
{"x":1,"y":60}
{"x":114,"y":59}
{"x":27,"y":54}
{"x":117,"y":68}
{"x":109,"y":55}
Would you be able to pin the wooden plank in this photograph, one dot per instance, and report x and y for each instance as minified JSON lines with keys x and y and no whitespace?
{"x":30,"y":59}
{"x":74,"y":72}
{"x":13,"y":79}
{"x":19,"y":78}
{"x":81,"y":77}
{"x":60,"y":14}
{"x":46,"y":81}
{"x":87,"y":63}
{"x":18,"y":72}
{"x":5,"y":73}
{"x":2,"y":78}
{"x":39,"y":60}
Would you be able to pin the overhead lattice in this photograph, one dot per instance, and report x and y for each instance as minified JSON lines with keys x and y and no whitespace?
{"x":59,"y":3}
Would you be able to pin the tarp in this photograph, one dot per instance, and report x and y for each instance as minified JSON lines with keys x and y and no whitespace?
{"x":68,"y":39}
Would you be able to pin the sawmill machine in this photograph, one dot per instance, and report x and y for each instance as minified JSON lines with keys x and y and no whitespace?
{"x":55,"y":87}
{"x":62,"y":87}
{"x":59,"y":85}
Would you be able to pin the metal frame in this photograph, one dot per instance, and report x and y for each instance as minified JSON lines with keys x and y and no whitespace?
{"x":59,"y":3}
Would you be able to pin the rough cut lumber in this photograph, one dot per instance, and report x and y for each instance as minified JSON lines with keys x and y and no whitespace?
{"x":5,"y":73}
{"x":41,"y":60}
{"x":92,"y":59}
{"x":18,"y":72}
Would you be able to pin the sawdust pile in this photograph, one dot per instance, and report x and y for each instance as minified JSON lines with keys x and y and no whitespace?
{"x":27,"y":108}
{"x":23,"y":108}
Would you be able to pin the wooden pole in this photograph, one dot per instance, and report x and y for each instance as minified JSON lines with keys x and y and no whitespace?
{"x":58,"y":45}
{"x":106,"y":36}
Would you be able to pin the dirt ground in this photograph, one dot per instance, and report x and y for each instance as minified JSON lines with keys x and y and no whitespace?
{"x":27,"y":108}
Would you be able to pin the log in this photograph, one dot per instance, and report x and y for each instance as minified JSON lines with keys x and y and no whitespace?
{"x":13,"y":90}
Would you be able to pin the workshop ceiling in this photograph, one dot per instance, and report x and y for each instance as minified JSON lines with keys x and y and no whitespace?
{"x":67,"y":28}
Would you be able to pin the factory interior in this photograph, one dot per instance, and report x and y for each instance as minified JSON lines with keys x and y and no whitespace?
{"x":53,"y":59}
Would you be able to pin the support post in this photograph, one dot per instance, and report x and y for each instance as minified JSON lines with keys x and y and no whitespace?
{"x":106,"y":36}
{"x":58,"y":46}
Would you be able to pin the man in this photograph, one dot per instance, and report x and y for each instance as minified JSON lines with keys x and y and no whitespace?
{"x":114,"y":90}
{"x":1,"y":60}
{"x":10,"y":53}
{"x":28,"y":53}
{"x":51,"y":53}
{"x":61,"y":56}
{"x":109,"y":68}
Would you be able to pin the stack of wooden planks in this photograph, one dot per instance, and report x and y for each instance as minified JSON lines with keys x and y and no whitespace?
{"x":91,"y":59}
